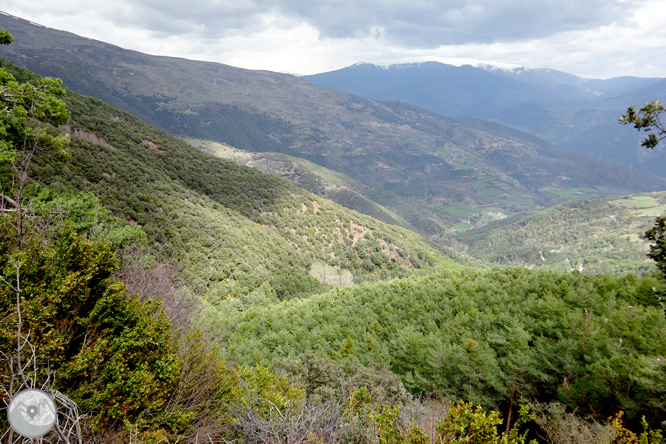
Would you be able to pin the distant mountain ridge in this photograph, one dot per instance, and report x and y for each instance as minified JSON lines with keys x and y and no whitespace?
{"x":571,"y":112}
{"x":418,"y":165}
{"x":475,"y":91}
{"x":393,"y":76}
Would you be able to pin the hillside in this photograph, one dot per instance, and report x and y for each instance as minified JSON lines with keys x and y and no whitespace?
{"x":489,"y":337}
{"x":330,"y":185}
{"x":591,"y":236}
{"x":435,"y":163}
{"x":234,"y":229}
{"x":572,"y":113}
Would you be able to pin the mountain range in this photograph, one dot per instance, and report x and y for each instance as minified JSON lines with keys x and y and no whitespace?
{"x":570,"y":112}
{"x":408,"y":166}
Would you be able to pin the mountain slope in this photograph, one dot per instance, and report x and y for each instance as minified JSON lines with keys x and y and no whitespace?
{"x":570,"y":112}
{"x":434,"y":163}
{"x":324,"y":182}
{"x":236,"y":231}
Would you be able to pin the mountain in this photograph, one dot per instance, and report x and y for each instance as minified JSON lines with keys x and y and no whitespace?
{"x":443,"y":167}
{"x":235,"y":231}
{"x":457,"y":91}
{"x":572,"y":113}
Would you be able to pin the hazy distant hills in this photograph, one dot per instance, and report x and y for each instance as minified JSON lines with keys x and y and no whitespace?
{"x":466,"y":90}
{"x":422,"y":170}
{"x":570,"y":112}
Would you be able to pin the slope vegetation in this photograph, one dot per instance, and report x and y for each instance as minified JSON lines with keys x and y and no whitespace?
{"x":330,"y":185}
{"x":235,"y":230}
{"x":591,"y":236}
{"x":429,"y":160}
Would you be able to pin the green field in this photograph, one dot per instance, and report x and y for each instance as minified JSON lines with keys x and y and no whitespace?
{"x":462,"y":226}
{"x":637,"y":202}
{"x":573,"y":193}
{"x":489,"y":191}
{"x":643,"y":206}
{"x":651,"y":212}
{"x":461,"y":210}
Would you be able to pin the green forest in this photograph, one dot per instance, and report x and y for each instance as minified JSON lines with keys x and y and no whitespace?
{"x":163,"y":295}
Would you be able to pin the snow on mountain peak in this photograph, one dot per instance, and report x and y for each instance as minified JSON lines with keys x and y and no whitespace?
{"x":498,"y":67}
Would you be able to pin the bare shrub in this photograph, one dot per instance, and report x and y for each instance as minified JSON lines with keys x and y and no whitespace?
{"x":204,"y":376}
{"x":562,"y":427}
{"x":425,"y":414}
{"x":160,"y":281}
{"x":299,"y":423}
{"x":203,"y":382}
{"x":331,"y":275}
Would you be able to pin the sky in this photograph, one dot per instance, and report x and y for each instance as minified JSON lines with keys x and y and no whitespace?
{"x":589,"y":38}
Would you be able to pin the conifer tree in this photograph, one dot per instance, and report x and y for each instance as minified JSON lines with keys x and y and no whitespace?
{"x":649,"y":119}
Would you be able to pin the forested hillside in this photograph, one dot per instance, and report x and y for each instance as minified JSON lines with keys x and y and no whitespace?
{"x":398,"y":152}
{"x":594,"y":343}
{"x":329,"y":184}
{"x":251,"y":230}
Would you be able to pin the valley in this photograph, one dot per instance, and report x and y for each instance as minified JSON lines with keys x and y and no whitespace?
{"x":417,"y":165}
{"x":193,"y":252}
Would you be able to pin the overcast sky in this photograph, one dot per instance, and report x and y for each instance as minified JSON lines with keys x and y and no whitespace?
{"x":591,"y":38}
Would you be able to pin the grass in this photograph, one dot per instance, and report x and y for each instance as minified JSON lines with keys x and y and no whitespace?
{"x":638,"y":202}
{"x":489,"y":190}
{"x":642,"y":206}
{"x":633,"y":237}
{"x":464,"y":166}
{"x":462,"y":226}
{"x":651,"y":212}
{"x":460,"y":210}
{"x":573,"y":193}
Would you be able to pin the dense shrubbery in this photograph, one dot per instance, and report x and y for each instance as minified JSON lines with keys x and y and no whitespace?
{"x":490,"y":337}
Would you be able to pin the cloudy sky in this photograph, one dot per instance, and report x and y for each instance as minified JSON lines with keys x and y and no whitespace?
{"x":591,"y":38}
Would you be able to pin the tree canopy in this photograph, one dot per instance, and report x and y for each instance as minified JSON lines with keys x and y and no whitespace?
{"x":648,"y":118}
{"x":25,"y":108}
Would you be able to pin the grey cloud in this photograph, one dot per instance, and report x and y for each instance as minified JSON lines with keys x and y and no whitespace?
{"x":432,"y":23}
{"x":203,"y":17}
{"x":410,"y":23}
